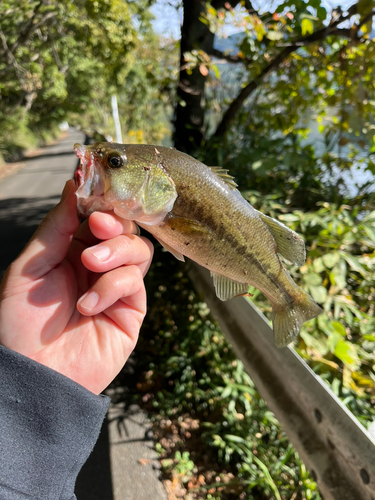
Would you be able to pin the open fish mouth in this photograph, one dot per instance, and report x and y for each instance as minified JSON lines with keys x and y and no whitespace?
{"x":89,"y":178}
{"x":84,"y":166}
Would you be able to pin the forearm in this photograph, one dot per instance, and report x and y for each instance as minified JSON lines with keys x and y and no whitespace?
{"x":48,"y":427}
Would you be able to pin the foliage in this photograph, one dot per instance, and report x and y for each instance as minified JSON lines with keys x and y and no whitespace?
{"x":288,"y":108}
{"x":189,"y":369}
{"x":146,"y":101}
{"x":63,"y":60}
{"x":340,"y":275}
{"x":315,"y":55}
{"x":295,"y":70}
{"x":281,"y":141}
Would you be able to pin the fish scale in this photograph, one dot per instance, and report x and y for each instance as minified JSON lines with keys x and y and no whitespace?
{"x":196,"y":211}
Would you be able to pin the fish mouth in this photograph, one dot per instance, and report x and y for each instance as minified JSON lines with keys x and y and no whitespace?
{"x":89,"y":178}
{"x":84,"y":165}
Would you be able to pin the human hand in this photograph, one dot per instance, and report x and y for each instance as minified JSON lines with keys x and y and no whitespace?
{"x":100,"y":263}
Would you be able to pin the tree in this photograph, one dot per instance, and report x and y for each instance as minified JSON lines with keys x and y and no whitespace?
{"x":299,"y":38}
{"x":61,"y":57}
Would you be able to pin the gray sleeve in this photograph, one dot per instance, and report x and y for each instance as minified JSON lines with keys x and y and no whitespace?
{"x":48,"y":427}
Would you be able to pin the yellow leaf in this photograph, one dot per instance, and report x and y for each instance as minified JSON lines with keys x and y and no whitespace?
{"x":327,"y":362}
{"x":307,"y":26}
{"x":363,"y":380}
{"x":260,"y":31}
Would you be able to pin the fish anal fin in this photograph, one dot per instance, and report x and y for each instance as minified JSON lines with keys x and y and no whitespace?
{"x":174,"y":252}
{"x":222,"y":173}
{"x":289,"y":244}
{"x":227,"y":289}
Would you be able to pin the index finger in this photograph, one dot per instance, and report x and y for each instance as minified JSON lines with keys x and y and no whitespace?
{"x":104,"y":226}
{"x":108,"y":225}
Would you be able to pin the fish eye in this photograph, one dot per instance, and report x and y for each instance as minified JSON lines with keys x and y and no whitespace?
{"x":115,"y":160}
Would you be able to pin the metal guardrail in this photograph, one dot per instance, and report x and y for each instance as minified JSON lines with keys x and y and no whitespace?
{"x":337,"y":450}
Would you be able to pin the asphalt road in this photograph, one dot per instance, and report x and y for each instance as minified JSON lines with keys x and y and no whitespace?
{"x":27,"y":196}
{"x":122,"y":465}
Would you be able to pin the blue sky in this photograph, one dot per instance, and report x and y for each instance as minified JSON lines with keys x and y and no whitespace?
{"x":168,"y":15}
{"x":168,"y":18}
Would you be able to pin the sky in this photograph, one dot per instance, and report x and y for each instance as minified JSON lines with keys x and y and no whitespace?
{"x":168,"y":14}
{"x":168,"y":18}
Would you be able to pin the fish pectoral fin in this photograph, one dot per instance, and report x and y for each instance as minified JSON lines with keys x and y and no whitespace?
{"x":187,"y":227}
{"x":289,"y":244}
{"x":174,"y":252}
{"x":226,"y":288}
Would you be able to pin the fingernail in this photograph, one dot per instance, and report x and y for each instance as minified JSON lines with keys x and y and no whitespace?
{"x":101,"y":253}
{"x":89,"y":300}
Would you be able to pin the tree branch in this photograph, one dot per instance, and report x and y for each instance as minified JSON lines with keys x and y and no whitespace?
{"x":249,"y":7}
{"x":321,"y":34}
{"x":250,"y":87}
{"x":32,"y":27}
{"x":228,"y":57}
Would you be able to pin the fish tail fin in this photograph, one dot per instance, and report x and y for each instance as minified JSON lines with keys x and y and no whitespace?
{"x":287,"y":320}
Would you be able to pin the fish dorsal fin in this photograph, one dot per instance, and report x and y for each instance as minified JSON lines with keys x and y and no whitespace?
{"x":289,"y":244}
{"x":222,"y":173}
{"x":226,"y":288}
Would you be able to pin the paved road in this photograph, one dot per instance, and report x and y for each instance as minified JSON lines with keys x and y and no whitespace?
{"x":27,"y":196}
{"x":122,"y":465}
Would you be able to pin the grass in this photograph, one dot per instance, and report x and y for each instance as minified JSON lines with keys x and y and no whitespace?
{"x":215,"y":435}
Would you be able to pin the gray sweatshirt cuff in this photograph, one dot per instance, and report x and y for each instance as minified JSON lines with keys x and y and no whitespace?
{"x":48,"y":427}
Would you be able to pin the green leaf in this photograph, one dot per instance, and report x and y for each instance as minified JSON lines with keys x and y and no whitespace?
{"x":312,"y":279}
{"x":319,"y":344}
{"x":371,"y":338}
{"x":354,"y":263}
{"x":330,"y":259}
{"x":235,"y":439}
{"x":307,"y":26}
{"x":226,"y":392}
{"x":347,"y":352}
{"x":339,"y":328}
{"x":321,"y":13}
{"x":270,"y":481}
{"x":256,"y":165}
{"x":370,"y":232}
{"x":289,"y":217}
{"x":319,"y":293}
{"x":338,"y":275}
{"x":275,"y":35}
{"x":318,"y":265}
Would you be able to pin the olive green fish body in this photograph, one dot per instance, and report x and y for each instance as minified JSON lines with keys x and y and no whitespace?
{"x":196,"y":211}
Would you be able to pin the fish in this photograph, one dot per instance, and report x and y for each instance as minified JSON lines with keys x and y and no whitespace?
{"x":196,"y":211}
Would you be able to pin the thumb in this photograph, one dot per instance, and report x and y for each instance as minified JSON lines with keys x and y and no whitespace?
{"x":49,"y":244}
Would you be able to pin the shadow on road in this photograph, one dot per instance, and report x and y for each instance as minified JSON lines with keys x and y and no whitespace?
{"x":94,"y":482}
{"x":19,"y":217}
{"x":47,"y":155}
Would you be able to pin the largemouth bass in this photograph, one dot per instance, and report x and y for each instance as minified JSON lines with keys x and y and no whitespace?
{"x":196,"y":211}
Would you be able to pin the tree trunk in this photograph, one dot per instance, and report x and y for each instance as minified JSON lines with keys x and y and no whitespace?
{"x":189,"y":120}
{"x":190,"y":109}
